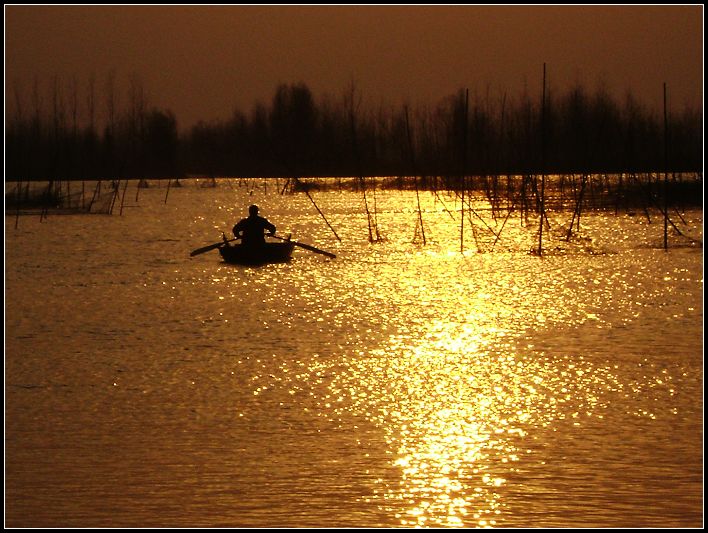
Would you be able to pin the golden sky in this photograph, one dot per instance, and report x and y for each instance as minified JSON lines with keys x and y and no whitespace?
{"x":203,"y":61}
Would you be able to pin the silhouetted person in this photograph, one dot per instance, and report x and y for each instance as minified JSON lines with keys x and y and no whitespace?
{"x":251,"y":230}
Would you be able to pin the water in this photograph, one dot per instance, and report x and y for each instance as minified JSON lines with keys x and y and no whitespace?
{"x":398,"y":385}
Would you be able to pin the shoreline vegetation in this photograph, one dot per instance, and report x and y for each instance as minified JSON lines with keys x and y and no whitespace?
{"x":572,"y":151}
{"x":562,"y":191}
{"x":84,"y":132}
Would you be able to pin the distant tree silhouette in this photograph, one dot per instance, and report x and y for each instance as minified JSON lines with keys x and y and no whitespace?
{"x":293,"y":123}
{"x":54,"y":137}
{"x":160,"y":144}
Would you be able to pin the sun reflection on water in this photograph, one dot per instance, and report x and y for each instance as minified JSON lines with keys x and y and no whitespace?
{"x":457,"y":402}
{"x":457,"y":417}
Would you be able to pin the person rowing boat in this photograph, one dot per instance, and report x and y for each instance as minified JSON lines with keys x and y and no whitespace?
{"x":251,"y":230}
{"x":253,"y":248}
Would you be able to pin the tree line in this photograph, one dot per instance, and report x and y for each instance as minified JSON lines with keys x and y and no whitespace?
{"x":57,"y":136}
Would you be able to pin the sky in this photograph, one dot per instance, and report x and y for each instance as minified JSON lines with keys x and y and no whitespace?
{"x":203,"y":62}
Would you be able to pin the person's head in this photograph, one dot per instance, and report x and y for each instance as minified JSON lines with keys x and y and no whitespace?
{"x":253,"y":210}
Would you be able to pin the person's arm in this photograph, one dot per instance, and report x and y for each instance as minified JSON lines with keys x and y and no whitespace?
{"x":238,"y":229}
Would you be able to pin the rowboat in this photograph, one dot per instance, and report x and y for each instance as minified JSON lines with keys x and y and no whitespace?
{"x":269,"y":252}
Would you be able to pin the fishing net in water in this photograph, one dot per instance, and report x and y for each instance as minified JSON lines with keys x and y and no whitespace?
{"x":61,"y":198}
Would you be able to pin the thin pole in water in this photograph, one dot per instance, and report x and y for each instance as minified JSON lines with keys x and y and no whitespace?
{"x":666,"y":175}
{"x":122,"y":200}
{"x":169,"y":182}
{"x":320,"y":211}
{"x":464,"y":170}
{"x":543,"y":163}
{"x":415,"y":174}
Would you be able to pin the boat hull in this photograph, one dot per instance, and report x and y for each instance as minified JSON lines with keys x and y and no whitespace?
{"x":270,"y":252}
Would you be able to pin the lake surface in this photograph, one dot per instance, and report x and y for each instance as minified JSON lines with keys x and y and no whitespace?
{"x":400,"y":384}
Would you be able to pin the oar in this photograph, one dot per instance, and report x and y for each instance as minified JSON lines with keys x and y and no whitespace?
{"x":306,"y":246}
{"x":210,"y":247}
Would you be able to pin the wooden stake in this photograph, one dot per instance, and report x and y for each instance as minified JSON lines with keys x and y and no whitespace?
{"x":543,"y":163}
{"x":321,"y":213}
{"x":666,"y":176}
{"x":464,"y":170}
{"x":415,"y":175}
{"x":122,"y":200}
{"x":169,"y":182}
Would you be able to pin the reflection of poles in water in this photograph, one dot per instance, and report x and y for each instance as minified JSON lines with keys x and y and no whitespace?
{"x":439,"y":199}
{"x":17,"y":205}
{"x":366,"y":208}
{"x":374,"y":235}
{"x":470,"y":211}
{"x":169,"y":184}
{"x":142,"y":184}
{"x":578,"y":207}
{"x":376,"y":212}
{"x":420,"y":211}
{"x":116,"y":190}
{"x":467,"y":199}
{"x":47,"y":200}
{"x":522,"y":195}
{"x":96,"y":193}
{"x":282,"y":191}
{"x":122,"y":200}
{"x":510,"y":210}
{"x":462,"y":218}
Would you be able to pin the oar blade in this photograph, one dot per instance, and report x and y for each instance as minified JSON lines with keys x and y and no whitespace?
{"x":204,"y":249}
{"x":313,"y":249}
{"x":307,"y":247}
{"x":208,"y":248}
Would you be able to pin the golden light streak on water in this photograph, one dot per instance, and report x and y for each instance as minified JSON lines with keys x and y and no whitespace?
{"x":455,"y":406}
